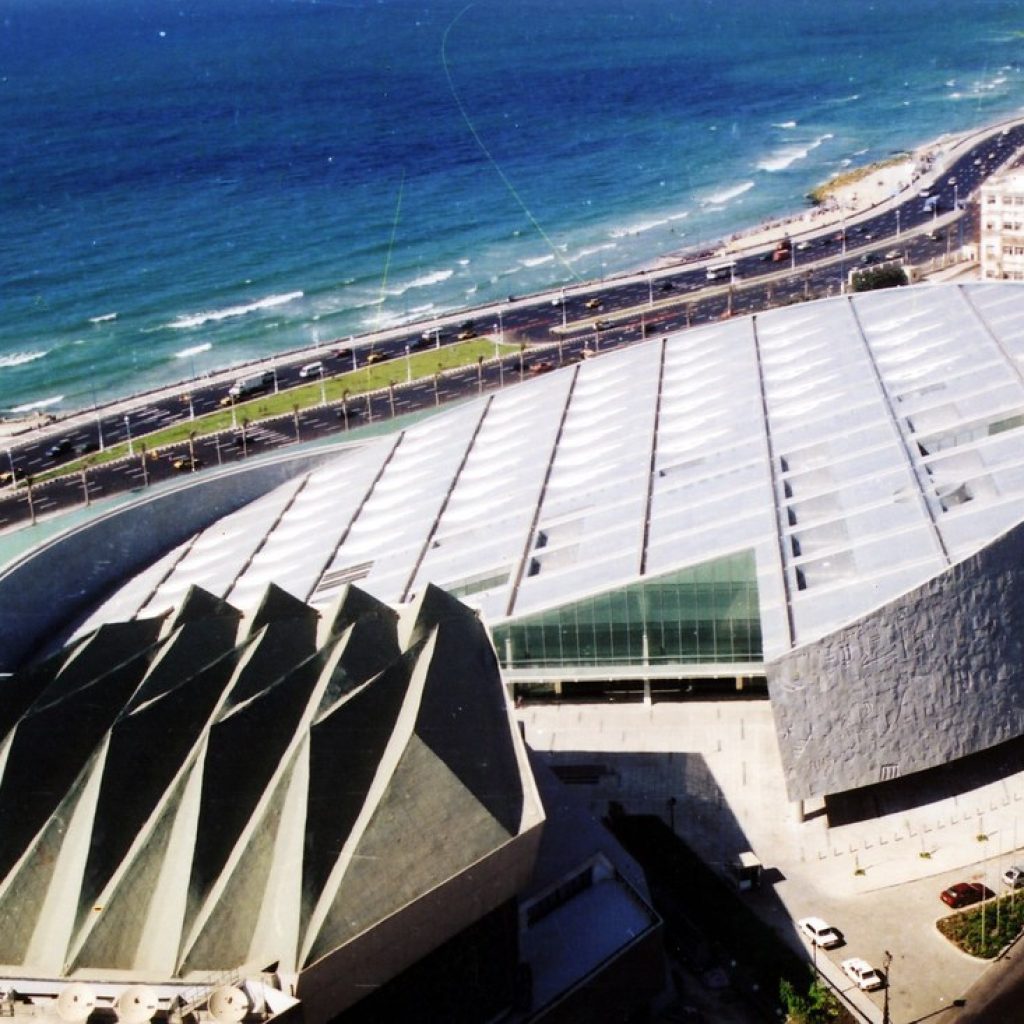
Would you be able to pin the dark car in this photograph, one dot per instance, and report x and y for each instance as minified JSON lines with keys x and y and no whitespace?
{"x":963,"y":894}
{"x":343,"y":353}
{"x":666,"y":286}
{"x":86,"y":448}
{"x":61,"y":447}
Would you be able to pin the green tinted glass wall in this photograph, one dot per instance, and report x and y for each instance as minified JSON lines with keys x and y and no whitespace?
{"x":705,"y":613}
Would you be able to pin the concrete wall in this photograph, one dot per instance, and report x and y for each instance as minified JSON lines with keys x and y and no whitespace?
{"x":924,"y":680}
{"x":54,"y":584}
{"x":370,"y":960}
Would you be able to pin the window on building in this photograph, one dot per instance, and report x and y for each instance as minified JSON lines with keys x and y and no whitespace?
{"x":705,"y":613}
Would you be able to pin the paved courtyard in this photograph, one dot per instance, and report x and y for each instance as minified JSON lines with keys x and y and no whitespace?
{"x":712,"y":770}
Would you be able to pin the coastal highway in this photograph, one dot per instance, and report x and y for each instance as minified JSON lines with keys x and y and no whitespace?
{"x":923,"y":223}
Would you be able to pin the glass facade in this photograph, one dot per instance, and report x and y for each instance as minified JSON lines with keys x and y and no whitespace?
{"x":704,"y":613}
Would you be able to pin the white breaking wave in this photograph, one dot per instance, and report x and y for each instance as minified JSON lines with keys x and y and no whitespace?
{"x":537,"y":261}
{"x":718,"y":198}
{"x":20,"y":358}
{"x":783,"y":158}
{"x":102,"y":319}
{"x":42,"y":404}
{"x":434,"y":277}
{"x":592,"y":250}
{"x":185,"y":353}
{"x":214,"y":316}
{"x":784,"y":124}
{"x":649,"y":225}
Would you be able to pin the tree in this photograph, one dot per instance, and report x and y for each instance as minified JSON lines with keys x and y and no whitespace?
{"x":818,"y":1006}
{"x":887,"y":275}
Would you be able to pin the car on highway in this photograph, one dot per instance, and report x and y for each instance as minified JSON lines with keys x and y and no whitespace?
{"x":893,"y":254}
{"x":375,"y":357}
{"x":186,"y":464}
{"x":466,"y":333}
{"x":862,"y":974}
{"x":593,"y":303}
{"x":60,"y":448}
{"x":544,"y":366}
{"x":820,"y":932}
{"x":246,"y":387}
{"x":1014,"y":877}
{"x":342,"y":353}
{"x":311,"y":369}
{"x":8,"y":477}
{"x":964,"y":894}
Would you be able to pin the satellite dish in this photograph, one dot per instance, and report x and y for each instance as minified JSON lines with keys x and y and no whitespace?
{"x":227,"y":1004}
{"x":136,"y":1004}
{"x":75,"y":1002}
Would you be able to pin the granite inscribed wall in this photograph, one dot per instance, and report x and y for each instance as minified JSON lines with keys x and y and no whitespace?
{"x":924,"y":680}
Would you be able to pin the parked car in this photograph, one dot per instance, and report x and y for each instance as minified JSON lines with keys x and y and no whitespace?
{"x":862,"y":974}
{"x":312,"y":369}
{"x":1014,"y":877}
{"x":820,"y":933}
{"x":963,"y":894}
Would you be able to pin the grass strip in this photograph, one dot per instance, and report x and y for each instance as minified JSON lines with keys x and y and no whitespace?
{"x":420,"y":366}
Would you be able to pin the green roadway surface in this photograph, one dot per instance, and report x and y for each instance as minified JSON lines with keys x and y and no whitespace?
{"x":421,"y":366}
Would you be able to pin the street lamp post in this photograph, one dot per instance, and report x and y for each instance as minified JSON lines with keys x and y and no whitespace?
{"x":128,"y":430}
{"x":650,"y":288}
{"x":344,"y":408}
{"x":408,"y":365}
{"x":10,"y":459}
{"x":391,"y":397}
{"x":886,"y":962}
{"x":897,"y":222}
{"x":323,"y":387}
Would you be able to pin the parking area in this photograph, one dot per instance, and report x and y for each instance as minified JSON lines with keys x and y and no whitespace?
{"x":711,"y":770}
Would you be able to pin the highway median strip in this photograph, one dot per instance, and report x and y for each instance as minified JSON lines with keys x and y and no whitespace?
{"x":417,"y":366}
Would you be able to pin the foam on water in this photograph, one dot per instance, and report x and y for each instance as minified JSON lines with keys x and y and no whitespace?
{"x":214,"y":316}
{"x":724,"y":196}
{"x":187,"y":353}
{"x":20,"y":358}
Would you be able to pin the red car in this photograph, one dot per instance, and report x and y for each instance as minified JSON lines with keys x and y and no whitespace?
{"x":963,"y":894}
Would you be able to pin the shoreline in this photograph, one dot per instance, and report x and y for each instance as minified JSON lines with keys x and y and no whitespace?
{"x":850,"y":195}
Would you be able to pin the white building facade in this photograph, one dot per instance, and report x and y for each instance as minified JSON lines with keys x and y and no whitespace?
{"x":1002,"y":227}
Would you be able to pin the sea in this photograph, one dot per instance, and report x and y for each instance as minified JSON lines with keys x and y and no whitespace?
{"x":186,"y":185}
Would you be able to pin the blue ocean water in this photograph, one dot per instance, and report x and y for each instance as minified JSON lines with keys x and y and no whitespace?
{"x":186,"y":184}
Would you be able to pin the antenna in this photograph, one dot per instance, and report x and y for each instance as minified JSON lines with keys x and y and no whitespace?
{"x":227,"y":1004}
{"x":75,"y":1002}
{"x":136,"y":1004}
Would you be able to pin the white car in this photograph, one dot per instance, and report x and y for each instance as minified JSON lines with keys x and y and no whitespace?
{"x":862,"y":974}
{"x":820,"y":932}
{"x":311,"y":370}
{"x":1014,"y":877}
